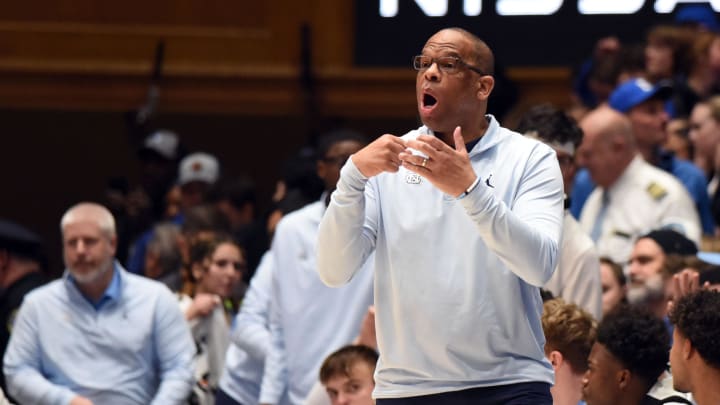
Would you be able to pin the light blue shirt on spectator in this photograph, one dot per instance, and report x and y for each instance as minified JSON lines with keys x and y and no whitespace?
{"x":132,"y":346}
{"x":308,"y":319}
{"x":457,"y":280}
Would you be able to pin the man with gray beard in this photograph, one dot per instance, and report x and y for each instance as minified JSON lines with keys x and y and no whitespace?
{"x":654,"y":257}
{"x":98,"y":335}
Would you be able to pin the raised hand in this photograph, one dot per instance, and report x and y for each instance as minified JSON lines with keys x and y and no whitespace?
{"x":684,"y":283}
{"x":202,"y":305}
{"x":446,"y":168}
{"x":379,"y":156}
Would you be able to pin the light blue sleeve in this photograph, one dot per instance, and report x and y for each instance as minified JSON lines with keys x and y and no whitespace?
{"x":251,"y":331}
{"x":348,"y":229}
{"x":526,"y":237}
{"x":22,"y":363}
{"x":175,"y":351}
{"x":274,"y":380}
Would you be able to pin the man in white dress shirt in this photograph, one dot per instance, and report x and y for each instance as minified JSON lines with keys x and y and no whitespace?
{"x":632,"y":197}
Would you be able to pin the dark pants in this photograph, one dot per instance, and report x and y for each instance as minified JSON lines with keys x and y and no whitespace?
{"x":532,"y":393}
{"x":222,"y":398}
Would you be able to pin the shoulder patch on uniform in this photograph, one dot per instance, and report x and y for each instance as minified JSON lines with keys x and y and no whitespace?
{"x":621,"y":234}
{"x":656,"y":191}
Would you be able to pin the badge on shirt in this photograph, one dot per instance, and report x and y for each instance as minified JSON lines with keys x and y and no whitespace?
{"x":413,"y":178}
{"x":656,"y":191}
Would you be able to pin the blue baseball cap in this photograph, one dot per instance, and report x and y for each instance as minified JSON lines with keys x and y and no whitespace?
{"x":701,"y":14}
{"x":636,"y":91}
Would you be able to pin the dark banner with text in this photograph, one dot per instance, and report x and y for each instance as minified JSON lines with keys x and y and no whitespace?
{"x":521,"y":32}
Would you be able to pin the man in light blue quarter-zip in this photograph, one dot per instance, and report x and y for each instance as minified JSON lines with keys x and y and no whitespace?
{"x":465,"y":220}
{"x":307,"y":319}
{"x":99,"y":335}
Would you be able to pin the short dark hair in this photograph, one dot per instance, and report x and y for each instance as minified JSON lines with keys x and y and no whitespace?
{"x":638,"y":339}
{"x":697,"y":317}
{"x":483,"y":55}
{"x":299,"y":172}
{"x":546,"y":295}
{"x":343,"y":360}
{"x":551,"y":125}
{"x":327,"y":140}
{"x":237,"y":192}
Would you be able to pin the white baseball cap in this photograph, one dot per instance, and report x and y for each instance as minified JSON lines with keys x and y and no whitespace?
{"x":163,"y":142}
{"x":199,"y":166}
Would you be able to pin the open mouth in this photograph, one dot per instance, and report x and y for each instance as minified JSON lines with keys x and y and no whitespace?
{"x":428,"y":100}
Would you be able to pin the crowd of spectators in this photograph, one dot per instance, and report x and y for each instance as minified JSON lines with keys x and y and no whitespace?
{"x":237,"y":314}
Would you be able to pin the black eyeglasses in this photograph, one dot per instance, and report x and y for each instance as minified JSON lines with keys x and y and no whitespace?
{"x":446,"y":64}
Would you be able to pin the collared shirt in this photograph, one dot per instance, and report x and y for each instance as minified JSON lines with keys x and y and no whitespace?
{"x":468,"y":145}
{"x":457,"y":282}
{"x":112,"y":292}
{"x":642,"y":199}
{"x":133,"y":349}
{"x":308,"y":319}
{"x":686,"y":172}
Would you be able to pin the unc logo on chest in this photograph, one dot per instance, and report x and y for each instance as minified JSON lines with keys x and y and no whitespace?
{"x":413,"y":178}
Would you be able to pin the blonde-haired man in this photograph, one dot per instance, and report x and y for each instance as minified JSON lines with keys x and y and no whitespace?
{"x":98,"y":335}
